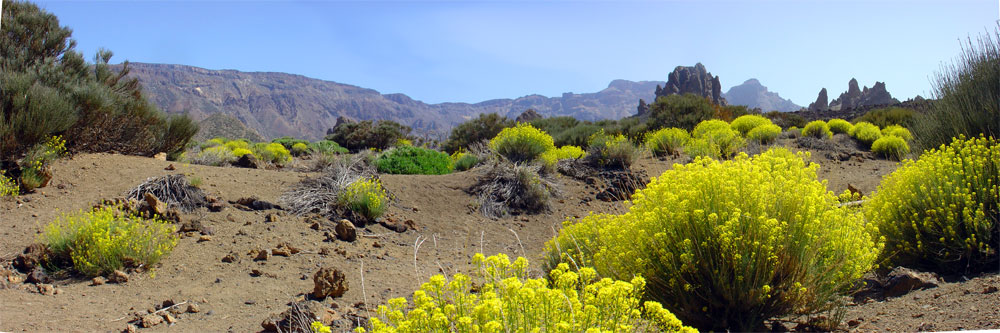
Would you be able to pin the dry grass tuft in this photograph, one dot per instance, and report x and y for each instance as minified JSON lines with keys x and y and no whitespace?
{"x":173,"y":190}
{"x":319,"y":195}
{"x":508,"y":187}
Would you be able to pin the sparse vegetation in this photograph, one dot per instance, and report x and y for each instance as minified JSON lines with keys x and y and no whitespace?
{"x":509,"y":187}
{"x":365,"y":197}
{"x":463,"y":161}
{"x":35,"y":166}
{"x":942,"y":211}
{"x":320,"y":194}
{"x":788,"y":250}
{"x":483,"y":128}
{"x":611,"y":151}
{"x":107,"y":238}
{"x":410,"y":160}
{"x":888,"y":116}
{"x":681,"y":111}
{"x":508,"y":300}
{"x":8,"y":187}
{"x":327,"y":147}
{"x":172,"y":190}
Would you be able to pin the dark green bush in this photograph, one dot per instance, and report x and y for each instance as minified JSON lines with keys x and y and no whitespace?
{"x":888,"y":116}
{"x":288,"y":141}
{"x":681,"y":111}
{"x":367,"y":134}
{"x":786,"y":119}
{"x":466,"y":162}
{"x":411,"y":160}
{"x":611,"y":151}
{"x":968,"y":94}
{"x":327,"y":147}
{"x":484,"y":127}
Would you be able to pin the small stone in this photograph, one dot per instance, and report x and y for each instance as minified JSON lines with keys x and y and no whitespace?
{"x":314,"y":226}
{"x":170,"y":167}
{"x":230,"y":218}
{"x":216,"y":207}
{"x":151,"y":320}
{"x":250,"y":302}
{"x":329,"y":282}
{"x":169,"y":318}
{"x":98,"y":281}
{"x":46,"y":289}
{"x":193,"y":308}
{"x":229,"y":258}
{"x":990,"y":290}
{"x":38,"y":275}
{"x":263,"y":255}
{"x":118,"y":277}
{"x":155,"y":205}
{"x":902,"y":280}
{"x":271,"y":218}
{"x":346,"y":231}
{"x":281,"y":252}
{"x":853,"y":323}
{"x":376,"y":245}
{"x":131,"y":328}
{"x":204,"y":238}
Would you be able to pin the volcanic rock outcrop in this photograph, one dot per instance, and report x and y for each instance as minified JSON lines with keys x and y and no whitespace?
{"x":821,"y":103}
{"x":695,"y":80}
{"x":855,"y":97}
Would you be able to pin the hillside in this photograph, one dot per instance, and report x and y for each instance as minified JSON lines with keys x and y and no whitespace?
{"x":280,"y":104}
{"x":754,"y":95}
{"x":224,"y":125}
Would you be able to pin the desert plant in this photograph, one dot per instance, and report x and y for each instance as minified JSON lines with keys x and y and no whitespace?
{"x":299,"y":149}
{"x":8,"y":187}
{"x":410,"y":160}
{"x":212,"y":143}
{"x":320,"y":194}
{"x":891,"y":146}
{"x":107,"y":238}
{"x":484,"y":127}
{"x":611,"y":151}
{"x":239,"y":152}
{"x":764,"y":134}
{"x":817,"y":129}
{"x":507,"y":187}
{"x":865,"y":132}
{"x":172,"y":190}
{"x":327,"y":147}
{"x":744,"y":124}
{"x":666,"y":141}
{"x":215,"y":156}
{"x":968,"y":95}
{"x":503,"y":298}
{"x":714,"y":138}
{"x":711,"y":125}
{"x":289,"y":142}
{"x":681,"y":111}
{"x":521,"y":143}
{"x":727,"y":245}
{"x":357,"y":136}
{"x":786,"y":119}
{"x":838,"y":125}
{"x":271,"y":152}
{"x":35,"y":166}
{"x":463,"y":161}
{"x":237,"y":144}
{"x":365,"y":197}
{"x":899,"y":131}
{"x":942,"y":211}
{"x":888,"y":116}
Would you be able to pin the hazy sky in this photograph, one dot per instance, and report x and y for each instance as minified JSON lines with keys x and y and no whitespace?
{"x":470,"y":51}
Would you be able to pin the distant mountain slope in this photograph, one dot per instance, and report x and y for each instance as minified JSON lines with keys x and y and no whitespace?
{"x":280,"y":104}
{"x":227,"y":126}
{"x":752,"y":94}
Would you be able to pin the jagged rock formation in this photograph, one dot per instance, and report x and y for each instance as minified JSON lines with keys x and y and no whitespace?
{"x":754,"y":95}
{"x":642,"y":109}
{"x":280,"y":104}
{"x":695,"y":80}
{"x":855,"y":97}
{"x":527,"y":116}
{"x":821,"y":103}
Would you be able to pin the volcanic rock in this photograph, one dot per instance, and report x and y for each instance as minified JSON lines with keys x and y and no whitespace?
{"x":528,"y":116}
{"x":329,"y":282}
{"x":247,"y":161}
{"x":346,"y":231}
{"x":694,"y":80}
{"x":902,"y":280}
{"x":821,"y":103}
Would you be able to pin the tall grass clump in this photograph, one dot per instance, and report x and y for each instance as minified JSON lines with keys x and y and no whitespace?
{"x":745,"y":123}
{"x":728,"y":245}
{"x":817,"y":129}
{"x":891,"y":146}
{"x":410,"y":160}
{"x":667,"y":141}
{"x":522,"y":143}
{"x":838,"y":125}
{"x":865,"y":133}
{"x":365,"y":197}
{"x":462,"y":161}
{"x":942,"y":211}
{"x":611,"y":151}
{"x":968,"y":95}
{"x":501,"y":297}
{"x":107,"y":238}
{"x":764,"y":134}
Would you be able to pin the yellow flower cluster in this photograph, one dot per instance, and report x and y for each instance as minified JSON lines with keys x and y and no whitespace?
{"x":941,"y":211}
{"x":220,"y":152}
{"x":764,"y":134}
{"x":299,"y":149}
{"x":715,"y":139}
{"x":318,"y":327}
{"x":839,"y":126}
{"x":404,"y":142}
{"x":666,"y":141}
{"x":366,"y":197}
{"x":899,"y":131}
{"x":745,"y":123}
{"x":730,"y":244}
{"x":8,"y":187}
{"x":509,"y":301}
{"x":817,"y":129}
{"x":522,"y":143}
{"x":565,"y":152}
{"x":35,"y":165}
{"x":865,"y":132}
{"x":107,"y":238}
{"x":891,"y":146}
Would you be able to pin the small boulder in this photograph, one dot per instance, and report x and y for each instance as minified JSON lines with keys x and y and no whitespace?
{"x":38,"y":275}
{"x":271,"y":218}
{"x":193,"y":308}
{"x":31,"y":257}
{"x":98,"y":281}
{"x":46,"y":289}
{"x":160,"y":156}
{"x":329,"y":282}
{"x":247,"y":161}
{"x":263,"y":255}
{"x":169,"y":318}
{"x":170,"y":167}
{"x":155,"y":205}
{"x":216,"y":207}
{"x":151,"y":320}
{"x":902,"y":280}
{"x":118,"y":276}
{"x":346,"y":231}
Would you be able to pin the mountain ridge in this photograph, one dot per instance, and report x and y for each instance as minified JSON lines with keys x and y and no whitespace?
{"x":755,"y":95}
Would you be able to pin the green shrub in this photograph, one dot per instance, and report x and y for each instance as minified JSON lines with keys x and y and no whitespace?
{"x":271,"y":152}
{"x":794,"y":132}
{"x":866,"y":133}
{"x":503,"y":299}
{"x":463,"y":161}
{"x":482,"y":128}
{"x":212,"y":143}
{"x":35,"y":166}
{"x":942,"y":211}
{"x":327,"y":147}
{"x":614,"y":151}
{"x":681,"y":111}
{"x":968,"y":96}
{"x":289,"y":142}
{"x":577,"y":135}
{"x":105,"y":239}
{"x":410,"y":160}
{"x":765,"y":134}
{"x":714,"y":138}
{"x":891,"y":146}
{"x":888,"y":116}
{"x":666,"y":141}
{"x":367,"y":134}
{"x":707,"y":126}
{"x":743,"y":124}
{"x":365,"y":197}
{"x":786,"y":119}
{"x":299,"y":149}
{"x":728,"y":245}
{"x":899,"y":131}
{"x":817,"y":129}
{"x":522,"y":143}
{"x":839,"y":126}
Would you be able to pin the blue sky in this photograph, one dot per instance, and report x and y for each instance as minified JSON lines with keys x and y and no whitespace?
{"x":470,"y":51}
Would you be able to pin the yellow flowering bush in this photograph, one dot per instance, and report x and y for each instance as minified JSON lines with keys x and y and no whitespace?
{"x":508,"y":301}
{"x":272,"y":152}
{"x":299,"y":149}
{"x":817,"y":129}
{"x":107,"y":238}
{"x":707,"y":126}
{"x":35,"y":164}
{"x":318,"y":327}
{"x":614,"y":151}
{"x":404,"y":142}
{"x":899,"y":131}
{"x":727,"y":245}
{"x":239,"y":152}
{"x":764,"y":134}
{"x":8,"y":187}
{"x":715,"y":139}
{"x":942,"y":211}
{"x":745,"y":123}
{"x":522,"y":143}
{"x":365,"y":197}
{"x":461,"y":161}
{"x":565,"y":152}
{"x":865,"y":132}
{"x":891,"y":146}
{"x":215,"y":155}
{"x":237,"y":144}
{"x":666,"y":141}
{"x":838,"y":125}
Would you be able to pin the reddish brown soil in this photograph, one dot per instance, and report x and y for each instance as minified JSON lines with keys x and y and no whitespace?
{"x":450,"y":231}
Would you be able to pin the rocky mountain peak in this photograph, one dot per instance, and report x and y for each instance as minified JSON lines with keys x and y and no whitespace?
{"x":755,"y":95}
{"x":821,"y":103}
{"x":856,"y":97}
{"x":695,"y":80}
